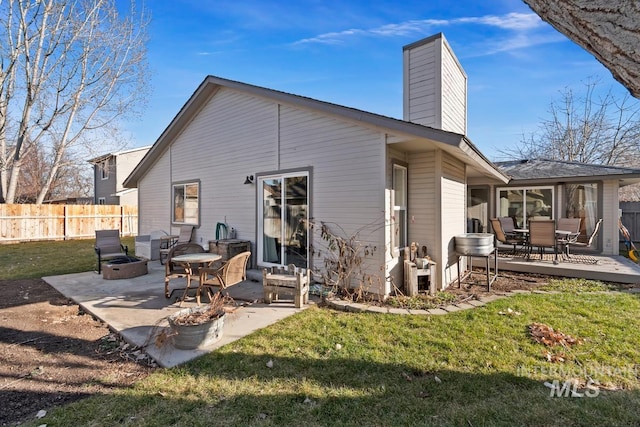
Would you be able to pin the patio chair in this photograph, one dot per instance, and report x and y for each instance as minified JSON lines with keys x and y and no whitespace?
{"x":508,"y":224}
{"x":185,"y":236}
{"x":176,"y":271}
{"x":568,"y":224}
{"x":590,"y":240}
{"x":542,"y":234}
{"x":232,"y":272}
{"x":108,"y":246}
{"x":502,"y":237}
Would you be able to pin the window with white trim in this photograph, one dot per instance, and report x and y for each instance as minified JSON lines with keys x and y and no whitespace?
{"x":104,"y":169}
{"x":400,"y":196}
{"x":186,"y":203}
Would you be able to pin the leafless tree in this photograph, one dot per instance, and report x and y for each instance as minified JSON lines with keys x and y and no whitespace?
{"x":609,"y":29}
{"x":69,"y":70}
{"x":585,"y":127}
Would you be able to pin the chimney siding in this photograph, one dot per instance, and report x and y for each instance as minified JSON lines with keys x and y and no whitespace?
{"x":435,"y":85}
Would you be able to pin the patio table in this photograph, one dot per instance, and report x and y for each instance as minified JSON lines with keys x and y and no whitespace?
{"x":193,"y":261}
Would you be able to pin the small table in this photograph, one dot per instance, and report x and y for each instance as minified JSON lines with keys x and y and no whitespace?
{"x":193,"y":261}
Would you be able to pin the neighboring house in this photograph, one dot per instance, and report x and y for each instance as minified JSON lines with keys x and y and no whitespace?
{"x":109,"y":172}
{"x":260,"y":160}
{"x":554,"y":189}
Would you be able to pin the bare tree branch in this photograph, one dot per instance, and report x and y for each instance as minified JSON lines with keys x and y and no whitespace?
{"x":78,"y":67}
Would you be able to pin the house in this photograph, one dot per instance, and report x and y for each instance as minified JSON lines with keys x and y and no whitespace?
{"x":109,"y":172}
{"x":261,"y":160}
{"x":554,"y":189}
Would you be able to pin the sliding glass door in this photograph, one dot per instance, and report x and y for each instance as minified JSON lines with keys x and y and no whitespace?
{"x":523,"y":204}
{"x":283,"y":220}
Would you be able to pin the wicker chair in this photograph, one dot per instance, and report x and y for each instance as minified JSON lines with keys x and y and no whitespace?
{"x":175,"y":271}
{"x":233,"y":271}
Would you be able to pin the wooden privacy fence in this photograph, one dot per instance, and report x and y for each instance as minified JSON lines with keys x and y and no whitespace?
{"x":23,"y":223}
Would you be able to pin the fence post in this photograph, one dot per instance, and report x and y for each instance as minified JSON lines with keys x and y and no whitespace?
{"x":65,"y":226}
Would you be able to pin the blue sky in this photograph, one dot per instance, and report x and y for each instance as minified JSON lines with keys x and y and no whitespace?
{"x":350,"y":53}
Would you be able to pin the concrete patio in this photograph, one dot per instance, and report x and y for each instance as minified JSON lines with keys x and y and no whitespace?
{"x":137,"y":309}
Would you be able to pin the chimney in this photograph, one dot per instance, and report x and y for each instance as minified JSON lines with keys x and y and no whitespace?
{"x":435,"y":85}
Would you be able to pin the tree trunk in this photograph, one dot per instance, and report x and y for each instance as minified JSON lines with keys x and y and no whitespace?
{"x":609,"y":29}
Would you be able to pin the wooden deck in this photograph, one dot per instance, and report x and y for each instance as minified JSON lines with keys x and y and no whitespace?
{"x":606,"y":268}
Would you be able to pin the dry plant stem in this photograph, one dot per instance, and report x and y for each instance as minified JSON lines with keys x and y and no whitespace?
{"x":214,"y":310}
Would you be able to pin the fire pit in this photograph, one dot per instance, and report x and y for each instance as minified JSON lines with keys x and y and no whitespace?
{"x":124,"y":267}
{"x":476,"y":245}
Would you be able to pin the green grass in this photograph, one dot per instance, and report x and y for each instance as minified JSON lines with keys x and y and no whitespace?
{"x":30,"y":260}
{"x":383,"y":373}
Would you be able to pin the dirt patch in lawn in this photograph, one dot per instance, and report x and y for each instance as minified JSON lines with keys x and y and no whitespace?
{"x":52,"y":353}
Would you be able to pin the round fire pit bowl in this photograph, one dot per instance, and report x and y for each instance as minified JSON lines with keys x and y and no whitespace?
{"x":124,"y":267}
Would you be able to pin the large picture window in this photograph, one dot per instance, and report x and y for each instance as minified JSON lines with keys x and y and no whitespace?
{"x":186,"y":203}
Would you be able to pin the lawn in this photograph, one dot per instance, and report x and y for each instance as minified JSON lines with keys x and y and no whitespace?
{"x":471,"y":368}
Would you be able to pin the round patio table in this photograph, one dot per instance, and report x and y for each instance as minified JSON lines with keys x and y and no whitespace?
{"x":193,"y":261}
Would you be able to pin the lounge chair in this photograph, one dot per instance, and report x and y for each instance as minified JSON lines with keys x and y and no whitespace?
{"x":108,"y":246}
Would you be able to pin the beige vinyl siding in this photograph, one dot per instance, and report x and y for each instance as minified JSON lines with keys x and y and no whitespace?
{"x":423,"y":200}
{"x":125,"y":163}
{"x":453,"y":213}
{"x":348,"y":183}
{"x":233,"y":136}
{"x":422,"y":99}
{"x":236,"y":134}
{"x":454,"y":93}
{"x":154,"y":198}
{"x":435,"y":86}
{"x":610,"y":229}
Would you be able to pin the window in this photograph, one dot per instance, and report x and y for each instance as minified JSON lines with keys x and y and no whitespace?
{"x":283,"y":204}
{"x":104,"y":169}
{"x":400,"y":205}
{"x":522,"y":204}
{"x":477,"y":209}
{"x":582,"y":202}
{"x":186,"y":203}
{"x":102,"y":201}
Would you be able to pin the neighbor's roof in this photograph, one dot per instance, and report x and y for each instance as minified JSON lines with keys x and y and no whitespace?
{"x":117,"y":153}
{"x":555,"y":171}
{"x":211,"y":84}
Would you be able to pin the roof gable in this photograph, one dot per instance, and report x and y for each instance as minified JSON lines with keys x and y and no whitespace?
{"x":211,"y":84}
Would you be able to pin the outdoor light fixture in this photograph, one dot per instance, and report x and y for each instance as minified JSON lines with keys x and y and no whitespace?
{"x":249,"y":179}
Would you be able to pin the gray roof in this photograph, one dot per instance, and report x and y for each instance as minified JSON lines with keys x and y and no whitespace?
{"x":461,"y":146}
{"x":554,"y":171}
